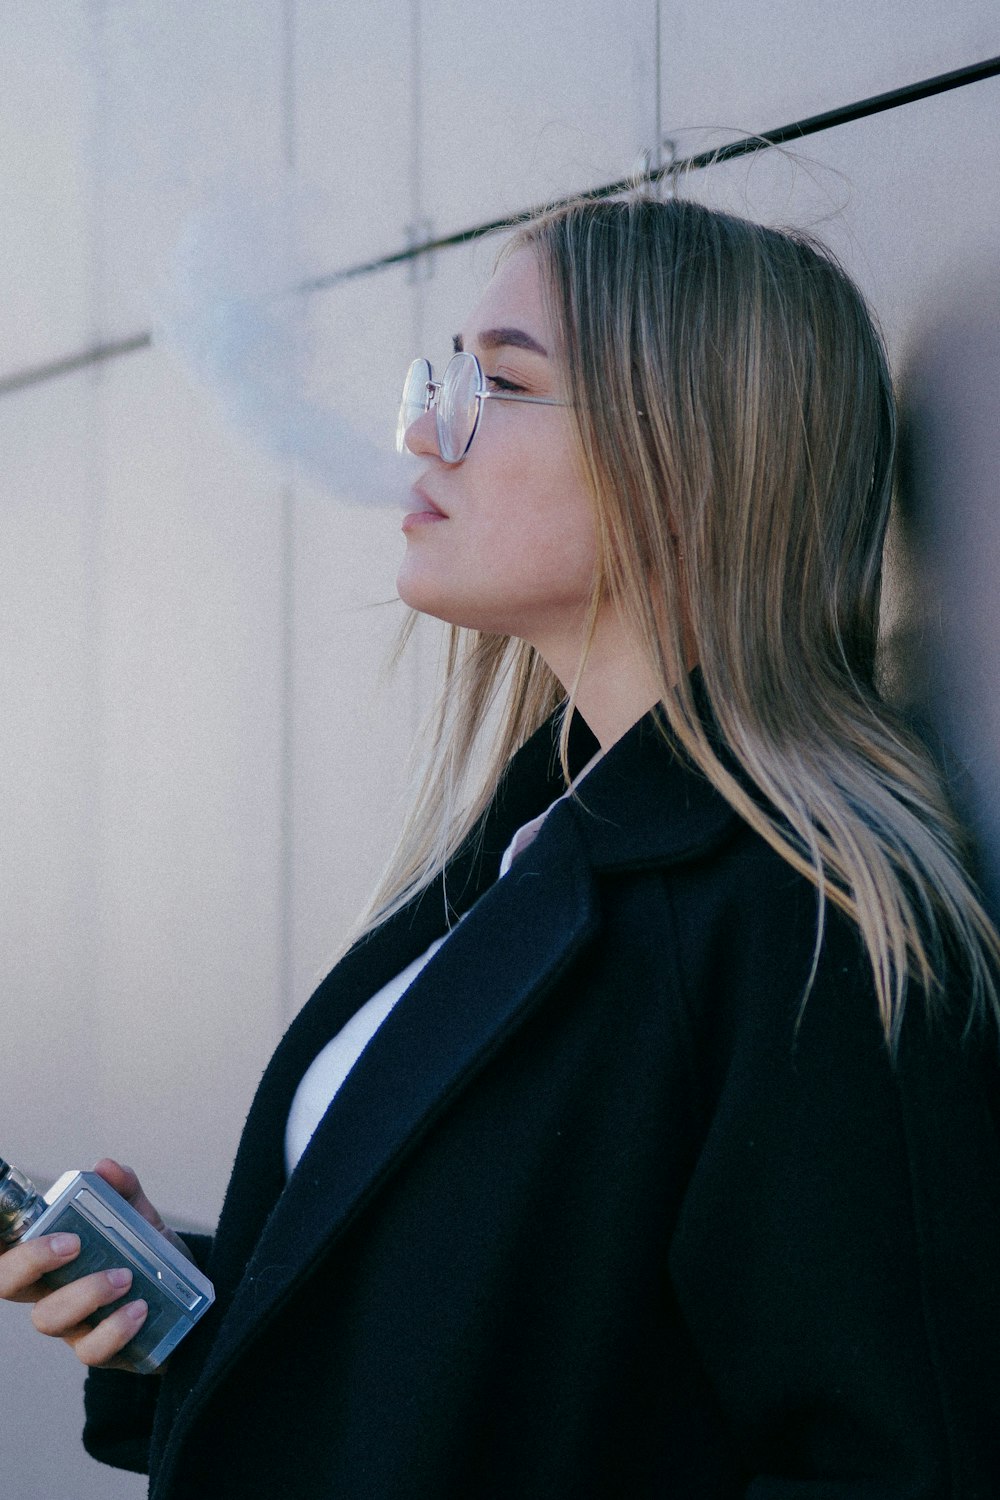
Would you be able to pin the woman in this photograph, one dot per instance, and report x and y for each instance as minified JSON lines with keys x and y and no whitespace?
{"x":669,"y":1168}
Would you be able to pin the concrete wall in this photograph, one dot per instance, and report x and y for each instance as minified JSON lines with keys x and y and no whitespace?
{"x":201,"y":771}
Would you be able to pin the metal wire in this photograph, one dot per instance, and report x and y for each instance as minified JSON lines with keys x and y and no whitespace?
{"x":844,"y":115}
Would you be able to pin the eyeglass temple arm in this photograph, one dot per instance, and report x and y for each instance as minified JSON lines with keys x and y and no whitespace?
{"x":434,"y":386}
{"x":512,"y":396}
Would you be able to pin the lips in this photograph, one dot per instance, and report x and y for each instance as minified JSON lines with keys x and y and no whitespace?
{"x":424,"y":504}
{"x":423,"y":512}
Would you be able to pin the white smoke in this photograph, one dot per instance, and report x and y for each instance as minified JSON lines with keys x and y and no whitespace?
{"x":230,"y":307}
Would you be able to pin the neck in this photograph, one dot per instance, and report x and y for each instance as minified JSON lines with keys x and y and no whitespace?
{"x":616,"y":687}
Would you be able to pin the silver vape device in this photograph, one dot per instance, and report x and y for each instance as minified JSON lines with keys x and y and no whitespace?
{"x":111,"y":1234}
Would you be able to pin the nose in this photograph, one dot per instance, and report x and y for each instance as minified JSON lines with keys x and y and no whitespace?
{"x":421,"y":435}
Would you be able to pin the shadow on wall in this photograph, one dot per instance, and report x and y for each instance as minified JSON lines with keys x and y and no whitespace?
{"x":949,"y":492}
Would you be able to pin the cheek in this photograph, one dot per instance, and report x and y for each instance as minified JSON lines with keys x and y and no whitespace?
{"x":563,"y":539}
{"x":520,"y":543}
{"x":551,"y":552}
{"x":537,"y":542}
{"x":539,"y":506}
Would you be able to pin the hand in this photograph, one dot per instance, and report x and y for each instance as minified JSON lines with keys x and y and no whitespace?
{"x":125,"y":1182}
{"x":61,"y":1312}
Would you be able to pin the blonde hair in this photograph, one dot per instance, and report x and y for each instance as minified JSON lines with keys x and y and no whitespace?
{"x":737,"y":426}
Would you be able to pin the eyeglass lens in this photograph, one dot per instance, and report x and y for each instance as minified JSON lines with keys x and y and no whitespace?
{"x":414,"y":400}
{"x":456,"y":407}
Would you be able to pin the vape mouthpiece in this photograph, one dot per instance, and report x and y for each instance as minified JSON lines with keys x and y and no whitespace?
{"x":20,"y":1203}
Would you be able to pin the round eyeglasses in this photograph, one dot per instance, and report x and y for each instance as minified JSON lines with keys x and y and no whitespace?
{"x":457,"y":401}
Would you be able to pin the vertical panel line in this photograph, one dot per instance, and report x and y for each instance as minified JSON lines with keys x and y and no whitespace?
{"x":287,"y":753}
{"x":100,"y":62}
{"x":288,"y":120}
{"x":658,"y":66}
{"x":416,"y":134}
{"x":286,"y":703}
{"x":418,"y":645}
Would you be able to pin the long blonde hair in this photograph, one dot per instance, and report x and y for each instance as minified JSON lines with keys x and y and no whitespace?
{"x":737,"y":426}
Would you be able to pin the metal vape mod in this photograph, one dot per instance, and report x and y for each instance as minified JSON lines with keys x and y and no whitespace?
{"x":111,"y":1234}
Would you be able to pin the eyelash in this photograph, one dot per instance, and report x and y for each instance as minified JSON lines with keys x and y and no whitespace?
{"x":502,"y":385}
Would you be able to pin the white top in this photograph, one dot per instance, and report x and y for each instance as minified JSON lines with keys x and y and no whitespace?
{"x":325,"y":1075}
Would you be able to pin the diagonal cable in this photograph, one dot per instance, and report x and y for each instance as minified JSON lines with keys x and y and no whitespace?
{"x":843,"y":115}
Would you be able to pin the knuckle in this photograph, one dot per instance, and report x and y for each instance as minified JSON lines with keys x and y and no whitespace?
{"x":68,"y":1306}
{"x":105,"y":1342}
{"x":12,"y":1274}
{"x":41,"y":1317}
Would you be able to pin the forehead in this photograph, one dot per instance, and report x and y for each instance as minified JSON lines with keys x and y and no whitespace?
{"x":513,"y":296}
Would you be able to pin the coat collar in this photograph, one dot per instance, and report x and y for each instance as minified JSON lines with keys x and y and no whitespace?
{"x":645,"y":804}
{"x":642,"y":805}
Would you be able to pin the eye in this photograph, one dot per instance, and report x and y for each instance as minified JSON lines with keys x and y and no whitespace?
{"x":497,"y":382}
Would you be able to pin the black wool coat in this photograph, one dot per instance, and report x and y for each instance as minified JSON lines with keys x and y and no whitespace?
{"x":591,"y":1218}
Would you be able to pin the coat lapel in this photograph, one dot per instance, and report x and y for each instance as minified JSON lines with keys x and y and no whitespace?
{"x":477,"y":990}
{"x":644,"y":805}
{"x":533,"y":780}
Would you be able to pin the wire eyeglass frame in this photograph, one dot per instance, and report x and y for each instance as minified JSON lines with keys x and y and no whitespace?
{"x":421,"y":373}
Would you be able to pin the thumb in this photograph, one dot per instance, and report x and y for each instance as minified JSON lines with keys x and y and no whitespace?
{"x":125,"y":1182}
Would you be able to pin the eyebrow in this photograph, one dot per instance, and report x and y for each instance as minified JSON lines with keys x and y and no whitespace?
{"x":498,"y":338}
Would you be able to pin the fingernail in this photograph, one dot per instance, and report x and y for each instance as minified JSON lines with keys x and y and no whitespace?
{"x":64,"y":1244}
{"x":136,"y":1311}
{"x":120,"y":1277}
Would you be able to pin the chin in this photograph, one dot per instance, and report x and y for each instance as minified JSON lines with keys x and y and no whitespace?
{"x":415,"y":592}
{"x":419,"y":595}
{"x":490,"y":607}
{"x":442,"y":606}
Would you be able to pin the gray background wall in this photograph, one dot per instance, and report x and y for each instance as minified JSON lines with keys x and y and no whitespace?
{"x":201,"y":769}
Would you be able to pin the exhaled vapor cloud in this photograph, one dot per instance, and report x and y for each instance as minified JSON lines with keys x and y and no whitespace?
{"x":229,"y":310}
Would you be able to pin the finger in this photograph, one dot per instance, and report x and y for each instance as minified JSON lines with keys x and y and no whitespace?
{"x":100,"y":1345}
{"x":60,"y":1313}
{"x":22,"y":1266}
{"x":125,"y":1182}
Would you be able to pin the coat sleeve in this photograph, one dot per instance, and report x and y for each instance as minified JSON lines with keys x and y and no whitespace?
{"x":119,"y":1407}
{"x":838,"y":1251}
